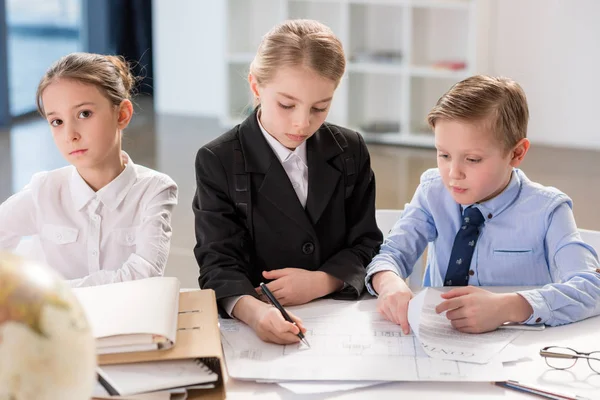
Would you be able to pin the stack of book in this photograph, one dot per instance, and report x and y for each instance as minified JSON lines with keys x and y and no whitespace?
{"x":154,"y":342}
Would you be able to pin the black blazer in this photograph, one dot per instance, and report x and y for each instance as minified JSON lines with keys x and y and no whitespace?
{"x":334,"y":234}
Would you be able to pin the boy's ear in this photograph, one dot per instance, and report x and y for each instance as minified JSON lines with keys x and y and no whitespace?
{"x":518,"y":152}
{"x":125,"y":113}
{"x":253,"y":86}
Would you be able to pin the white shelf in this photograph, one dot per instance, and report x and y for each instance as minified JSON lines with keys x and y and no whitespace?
{"x":432,"y":72}
{"x":375,"y":68}
{"x":448,"y":4}
{"x":417,"y":33}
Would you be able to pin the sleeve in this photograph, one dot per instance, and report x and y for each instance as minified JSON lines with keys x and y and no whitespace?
{"x":363,"y":237}
{"x":18,"y":217}
{"x":222,"y":239}
{"x":407,"y":240}
{"x":152,"y":243}
{"x":573,"y":264}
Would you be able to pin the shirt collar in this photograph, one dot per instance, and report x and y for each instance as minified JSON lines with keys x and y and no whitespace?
{"x":495,"y":206}
{"x":282,"y":152}
{"x":110,"y":195}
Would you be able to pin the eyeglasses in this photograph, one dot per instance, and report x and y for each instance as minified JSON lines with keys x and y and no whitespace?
{"x":565,"y":357}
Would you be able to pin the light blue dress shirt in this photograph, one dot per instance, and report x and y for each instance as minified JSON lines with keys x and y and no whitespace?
{"x":529,"y":238}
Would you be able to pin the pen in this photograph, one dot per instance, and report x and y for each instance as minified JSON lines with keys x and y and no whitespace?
{"x":278,"y":306}
{"x":514,"y":385}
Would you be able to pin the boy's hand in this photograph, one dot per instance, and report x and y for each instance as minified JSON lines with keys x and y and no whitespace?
{"x":474,"y":310}
{"x":394,"y":296}
{"x":267,"y":321}
{"x":293,"y":286}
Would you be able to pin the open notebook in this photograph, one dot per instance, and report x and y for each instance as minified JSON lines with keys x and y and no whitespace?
{"x":132,"y":316}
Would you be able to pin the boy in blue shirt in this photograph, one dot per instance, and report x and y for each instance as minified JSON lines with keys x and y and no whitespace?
{"x":487,"y":224}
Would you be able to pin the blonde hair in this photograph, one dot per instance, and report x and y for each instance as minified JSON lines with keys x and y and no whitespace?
{"x":110,"y":74}
{"x":496,"y":100}
{"x":299,"y":42}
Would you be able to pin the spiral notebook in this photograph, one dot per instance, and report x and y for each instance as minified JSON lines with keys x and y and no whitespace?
{"x":136,"y":378}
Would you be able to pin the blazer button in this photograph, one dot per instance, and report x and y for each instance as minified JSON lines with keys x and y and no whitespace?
{"x":308,"y":248}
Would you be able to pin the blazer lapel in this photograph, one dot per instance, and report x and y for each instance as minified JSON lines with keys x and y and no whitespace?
{"x":323,"y":176}
{"x":276,"y":186}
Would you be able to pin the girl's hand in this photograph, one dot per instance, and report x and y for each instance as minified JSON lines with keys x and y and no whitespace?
{"x":293,"y":286}
{"x":267,"y":321}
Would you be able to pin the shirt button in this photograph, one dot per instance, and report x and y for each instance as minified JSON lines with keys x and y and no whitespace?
{"x":295,"y":185}
{"x":490,"y":216}
{"x":58,"y":236}
{"x":96,"y":217}
{"x":130,"y":238}
{"x":538,"y":320}
{"x":471,"y":272}
{"x":94,"y":253}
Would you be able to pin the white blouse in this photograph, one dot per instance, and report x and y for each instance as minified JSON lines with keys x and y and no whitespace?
{"x":119,"y":233}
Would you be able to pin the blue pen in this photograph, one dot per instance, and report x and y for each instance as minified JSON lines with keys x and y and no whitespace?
{"x":514,"y":385}
{"x":278,"y":306}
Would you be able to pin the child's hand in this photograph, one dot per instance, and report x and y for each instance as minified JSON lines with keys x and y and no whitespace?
{"x":394,"y":296}
{"x":270,"y":326}
{"x":474,"y":310}
{"x":267,"y":321}
{"x":293,"y":286}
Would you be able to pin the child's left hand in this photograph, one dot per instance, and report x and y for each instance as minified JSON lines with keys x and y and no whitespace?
{"x":474,"y":310}
{"x":293,"y":286}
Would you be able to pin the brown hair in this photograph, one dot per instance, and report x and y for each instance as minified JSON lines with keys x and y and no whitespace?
{"x":299,"y":42}
{"x":497,"y":100}
{"x":110,"y":74}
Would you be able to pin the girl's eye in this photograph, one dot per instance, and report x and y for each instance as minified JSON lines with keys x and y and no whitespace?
{"x":443,"y":156}
{"x":473,"y":160}
{"x":319,"y":109}
{"x":285,"y":107}
{"x":56,"y":122}
{"x":85,"y":114}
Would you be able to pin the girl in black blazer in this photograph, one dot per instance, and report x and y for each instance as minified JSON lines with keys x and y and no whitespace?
{"x":285,"y":197}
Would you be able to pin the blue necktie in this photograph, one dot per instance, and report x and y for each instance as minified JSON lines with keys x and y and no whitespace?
{"x":464,"y":245}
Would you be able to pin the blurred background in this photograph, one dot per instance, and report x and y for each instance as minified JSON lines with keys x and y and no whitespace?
{"x":402,"y":55}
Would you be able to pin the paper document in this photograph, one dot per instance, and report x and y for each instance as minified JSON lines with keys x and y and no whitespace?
{"x":440,"y":340}
{"x":350,"y":341}
{"x":175,"y":394}
{"x":324,"y":387}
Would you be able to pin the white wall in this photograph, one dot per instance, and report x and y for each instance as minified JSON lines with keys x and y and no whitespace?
{"x":189,"y":51}
{"x":552,"y":48}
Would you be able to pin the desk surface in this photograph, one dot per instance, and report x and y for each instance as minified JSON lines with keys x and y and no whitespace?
{"x":582,"y":336}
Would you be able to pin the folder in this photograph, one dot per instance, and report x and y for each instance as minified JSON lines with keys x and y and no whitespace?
{"x":198,"y":336}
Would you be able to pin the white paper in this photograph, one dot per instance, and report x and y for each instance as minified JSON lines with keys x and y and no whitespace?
{"x":440,"y":340}
{"x":350,"y":341}
{"x":175,"y":394}
{"x":324,"y":386}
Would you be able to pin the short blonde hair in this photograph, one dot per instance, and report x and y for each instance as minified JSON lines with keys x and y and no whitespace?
{"x":110,"y":74}
{"x":299,"y":42}
{"x":497,"y":100}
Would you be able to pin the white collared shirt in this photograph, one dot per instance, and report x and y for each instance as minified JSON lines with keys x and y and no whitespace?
{"x":119,"y":233}
{"x":294,"y":163}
